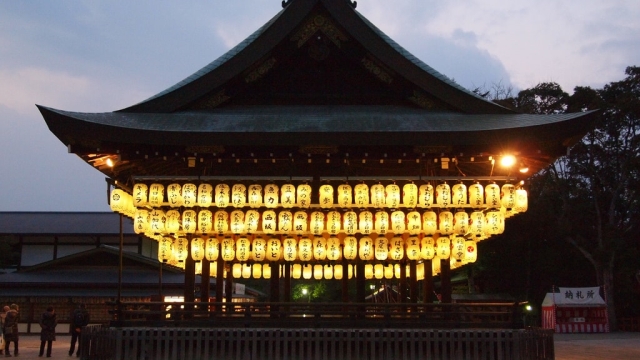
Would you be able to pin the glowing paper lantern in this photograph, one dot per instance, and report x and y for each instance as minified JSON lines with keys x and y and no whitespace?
{"x":269,"y":222}
{"x":414,"y":222}
{"x":140,"y":194}
{"x":508,"y":196}
{"x":381,"y":222}
{"x":326,"y":196}
{"x":165,"y":249}
{"x":444,"y":247}
{"x":429,"y":222}
{"x":258,"y":249}
{"x":197,"y":249}
{"x":285,"y":222}
{"x":397,"y":248}
{"x":392,"y":196}
{"x":141,"y":221}
{"x":476,"y":221}
{"x":266,"y":271}
{"x":458,"y":251}
{"x":251,"y":221}
{"x":338,"y":272}
{"x":443,"y":195}
{"x":246,"y":271}
{"x":333,"y":222}
{"x":366,"y":222}
{"x":221,"y":222}
{"x":378,"y":271}
{"x":388,"y":272}
{"x":296,"y":271}
{"x":257,"y":271}
{"x":425,"y":195}
{"x":345,"y":195}
{"x":211,"y":250}
{"x":350,"y":222}
{"x":222,"y":194}
{"x":289,"y":252}
{"x":328,"y":272}
{"x":471,"y":254}
{"x":317,"y":223}
{"x":156,"y":195}
{"x":377,"y":196}
{"x":205,"y":195}
{"x":255,"y":196}
{"x":243,"y":249}
{"x":460,"y":223}
{"x":333,"y":248}
{"x":319,"y":248}
{"x":381,"y":248}
{"x":427,"y":248}
{"x":157,"y":220}
{"x":459,"y":194}
{"x":436,"y":266}
{"x":273,"y":249}
{"x":305,"y":249}
{"x":307,"y":271}
{"x":288,"y":198}
{"x":494,"y":222}
{"x":205,"y":221}
{"x":413,"y":248}
{"x":398,"y":225}
{"x":172,"y":225}
{"x":318,"y":271}
{"x":300,"y":222}
{"x":239,"y":195}
{"x":366,"y":248}
{"x":189,"y":195}
{"x":174,"y":195}
{"x":304,"y":196}
{"x":492,"y":194}
{"x":181,"y":249}
{"x":445,"y":223}
{"x":228,"y":249}
{"x":410,"y":195}
{"x":271,"y":198}
{"x":361,"y":195}
{"x":350,"y":249}
{"x":397,"y":271}
{"x":236,"y":220}
{"x":522,"y":203}
{"x":476,"y":196}
{"x":236,"y":271}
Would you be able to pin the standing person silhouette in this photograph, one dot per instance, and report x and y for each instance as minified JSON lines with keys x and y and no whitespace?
{"x":10,"y":330}
{"x":79,"y":319}
{"x":48,"y":322}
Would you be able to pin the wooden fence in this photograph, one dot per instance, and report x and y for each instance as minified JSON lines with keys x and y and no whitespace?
{"x":104,"y":343}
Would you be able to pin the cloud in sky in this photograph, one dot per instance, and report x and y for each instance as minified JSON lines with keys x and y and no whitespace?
{"x":103,"y":56}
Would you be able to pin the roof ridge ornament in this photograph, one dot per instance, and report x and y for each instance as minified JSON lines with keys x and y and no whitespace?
{"x":286,"y":3}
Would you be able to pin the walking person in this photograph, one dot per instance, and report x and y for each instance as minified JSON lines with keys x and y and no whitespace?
{"x":48,"y":323}
{"x":79,"y":319}
{"x":10,"y":329}
{"x":2,"y":316}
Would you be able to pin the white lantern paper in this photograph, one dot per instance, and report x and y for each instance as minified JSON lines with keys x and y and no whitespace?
{"x":476,"y":196}
{"x":271,"y":198}
{"x":174,"y":195}
{"x":345,"y":195}
{"x":494,"y":222}
{"x":285,"y":222}
{"x":458,"y":251}
{"x":388,"y":271}
{"x":289,"y":247}
{"x":251,"y":221}
{"x":318,"y":271}
{"x":366,"y":248}
{"x":255,"y":195}
{"x":319,"y":248}
{"x":288,"y":198}
{"x":425,"y":195}
{"x":328,"y":272}
{"x":269,"y":222}
{"x":189,"y":195}
{"x":258,"y":249}
{"x":397,"y":248}
{"x":333,"y":248}
{"x":459,"y":195}
{"x":243,"y":249}
{"x":273,"y":249}
{"x":307,"y":271}
{"x":140,"y":195}
{"x":350,"y":249}
{"x":197,"y":249}
{"x":317,"y":223}
{"x":381,"y":248}
{"x":338,"y":272}
{"x":256,"y":271}
{"x":305,"y":249}
{"x":471,"y":254}
{"x":236,"y":271}
{"x":445,"y":223}
{"x":165,"y":249}
{"x":378,"y":271}
{"x":205,"y":221}
{"x":522,"y":203}
{"x":189,"y":221}
{"x":239,"y":195}
{"x":476,"y":221}
{"x":436,"y":265}
{"x":157,"y":221}
{"x":508,"y":196}
{"x":460,"y":223}
{"x":222,"y":194}
{"x":266,"y":271}
{"x":205,"y":195}
{"x":350,"y":222}
{"x":211,"y":250}
{"x":413,"y":248}
{"x":236,"y":220}
{"x":429,"y":222}
{"x":300,"y":222}
{"x":156,"y":195}
{"x":361,"y":195}
{"x":296,"y":271}
{"x":381,"y":222}
{"x":492,"y":194}
{"x":414,"y":220}
{"x":228,"y":249}
{"x":333,"y":222}
{"x":304,"y":196}
{"x":443,"y":195}
{"x":377,"y":196}
{"x":392,"y":193}
{"x":398,"y":225}
{"x":181,"y":249}
{"x":326,"y":196}
{"x":444,"y":247}
{"x":427,"y":248}
{"x":410,"y":195}
{"x":366,"y":222}
{"x":172,"y":225}
{"x":117,"y":200}
{"x":221,"y":222}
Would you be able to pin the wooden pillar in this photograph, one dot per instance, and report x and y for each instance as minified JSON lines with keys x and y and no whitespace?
{"x":190,"y":284}
{"x":403,"y":282}
{"x":413,"y":282}
{"x":228,"y":288}
{"x":205,"y":279}
{"x":445,"y":281}
{"x":219,"y":283}
{"x":427,"y":283}
{"x":345,"y":281}
{"x":360,"y":282}
{"x":286,"y":296}
{"x":274,"y":288}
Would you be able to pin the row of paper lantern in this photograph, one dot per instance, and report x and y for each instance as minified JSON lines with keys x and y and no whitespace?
{"x":361,"y":195}
{"x":478,"y":224}
{"x":317,"y":249}
{"x":327,"y":271}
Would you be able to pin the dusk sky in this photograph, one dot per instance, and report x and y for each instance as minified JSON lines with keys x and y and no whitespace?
{"x":97,"y":56}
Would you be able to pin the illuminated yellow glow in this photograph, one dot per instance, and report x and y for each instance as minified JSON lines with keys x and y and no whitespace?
{"x":508,"y":161}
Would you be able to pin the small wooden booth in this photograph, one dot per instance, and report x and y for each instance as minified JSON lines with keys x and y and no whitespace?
{"x":575,"y":310}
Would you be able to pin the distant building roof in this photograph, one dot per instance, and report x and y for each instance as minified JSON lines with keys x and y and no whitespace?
{"x":60,"y":223}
